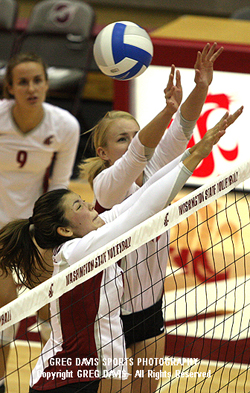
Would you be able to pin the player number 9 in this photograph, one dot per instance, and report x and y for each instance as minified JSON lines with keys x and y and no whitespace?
{"x":21,"y":158}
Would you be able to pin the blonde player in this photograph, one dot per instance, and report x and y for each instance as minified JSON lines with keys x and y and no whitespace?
{"x":121,"y":166}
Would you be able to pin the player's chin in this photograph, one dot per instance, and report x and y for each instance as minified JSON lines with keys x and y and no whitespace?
{"x":98,"y":222}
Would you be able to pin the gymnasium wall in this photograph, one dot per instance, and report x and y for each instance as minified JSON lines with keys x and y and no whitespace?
{"x":205,"y":7}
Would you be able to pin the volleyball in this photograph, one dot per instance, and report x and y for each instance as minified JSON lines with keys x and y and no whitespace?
{"x":123,"y":50}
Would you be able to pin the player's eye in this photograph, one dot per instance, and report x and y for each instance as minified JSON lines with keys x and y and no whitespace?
{"x":22,"y":82}
{"x":38,"y":80}
{"x":122,"y":139}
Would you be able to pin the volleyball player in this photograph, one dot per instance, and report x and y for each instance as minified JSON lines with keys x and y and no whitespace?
{"x":33,"y":135}
{"x":119,"y":169}
{"x":62,"y":221}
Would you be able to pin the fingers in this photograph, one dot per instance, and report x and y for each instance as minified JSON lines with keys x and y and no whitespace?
{"x":220,"y":128}
{"x":198,"y":60}
{"x":221,"y":125}
{"x":219,"y":135}
{"x":217,"y":129}
{"x":205,"y":51}
{"x":209,"y":54}
{"x":222,"y":120}
{"x":216,"y":54}
{"x":210,"y":50}
{"x":172,"y":69}
{"x":170,"y":78}
{"x":234,"y":116}
{"x":168,"y":93}
{"x":178,"y":79}
{"x":213,"y":135}
{"x":169,"y":90}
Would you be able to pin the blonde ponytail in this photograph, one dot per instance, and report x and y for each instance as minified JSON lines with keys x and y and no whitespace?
{"x":91,"y":167}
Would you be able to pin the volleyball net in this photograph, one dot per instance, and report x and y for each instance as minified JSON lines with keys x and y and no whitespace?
{"x":205,"y":302}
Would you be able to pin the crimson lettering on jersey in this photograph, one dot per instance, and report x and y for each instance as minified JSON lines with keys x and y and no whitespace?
{"x":21,"y":158}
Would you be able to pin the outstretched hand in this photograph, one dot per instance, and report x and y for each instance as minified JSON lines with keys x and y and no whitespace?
{"x":173,"y":93}
{"x":204,"y":147}
{"x":231,"y":118}
{"x":212,"y":136}
{"x":204,"y":64}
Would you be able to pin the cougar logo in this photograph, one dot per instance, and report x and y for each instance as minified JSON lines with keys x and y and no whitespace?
{"x":207,"y":166}
{"x":63,"y":14}
{"x":48,"y":140}
{"x":51,"y":292}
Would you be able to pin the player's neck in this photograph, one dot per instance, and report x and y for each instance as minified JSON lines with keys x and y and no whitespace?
{"x":27,"y":120}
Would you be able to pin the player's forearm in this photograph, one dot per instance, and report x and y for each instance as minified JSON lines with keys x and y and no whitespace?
{"x":192,"y":106}
{"x":193,"y":160}
{"x":157,"y":177}
{"x":152,"y":133}
{"x":112,"y":185}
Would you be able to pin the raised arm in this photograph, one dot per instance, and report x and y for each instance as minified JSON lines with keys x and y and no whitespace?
{"x":175,"y":140}
{"x":152,"y":133}
{"x":152,"y":197}
{"x":192,"y":106}
{"x":113,"y":184}
{"x":147,"y":201}
{"x":190,"y":159}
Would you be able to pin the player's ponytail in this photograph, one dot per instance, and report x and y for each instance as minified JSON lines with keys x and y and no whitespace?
{"x":21,"y":240}
{"x":18,"y":252}
{"x":91,"y":167}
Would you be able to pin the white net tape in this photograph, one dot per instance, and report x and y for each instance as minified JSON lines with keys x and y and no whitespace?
{"x":84,"y":269}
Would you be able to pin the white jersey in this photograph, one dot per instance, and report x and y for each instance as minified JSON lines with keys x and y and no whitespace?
{"x":86,"y":325}
{"x":145,"y":268}
{"x":25,"y":158}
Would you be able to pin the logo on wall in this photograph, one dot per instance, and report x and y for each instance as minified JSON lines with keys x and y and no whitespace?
{"x":207,"y":167}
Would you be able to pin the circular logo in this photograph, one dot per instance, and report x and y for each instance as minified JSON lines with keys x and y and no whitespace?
{"x":62,"y":14}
